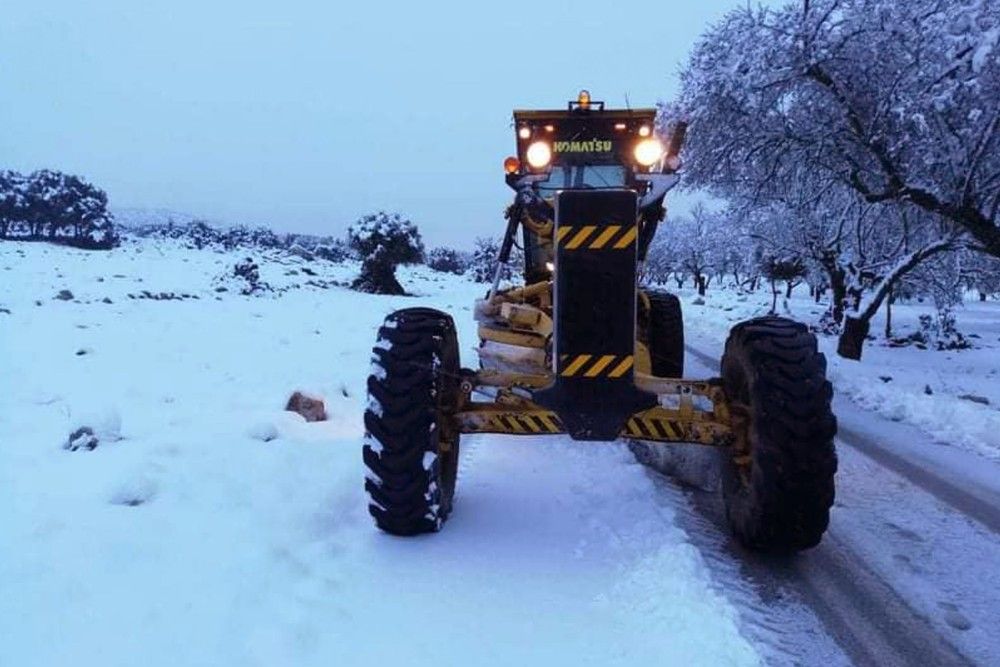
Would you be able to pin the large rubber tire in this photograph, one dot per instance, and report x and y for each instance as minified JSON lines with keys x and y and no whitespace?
{"x":410,"y":451}
{"x":779,"y":500}
{"x":664,"y":332}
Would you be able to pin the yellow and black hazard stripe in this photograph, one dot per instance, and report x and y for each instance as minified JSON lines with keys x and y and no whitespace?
{"x":595,"y":365}
{"x":596,"y":237}
{"x":649,"y":428}
{"x":512,"y":422}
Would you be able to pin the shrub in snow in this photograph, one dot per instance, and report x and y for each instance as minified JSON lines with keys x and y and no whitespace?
{"x":244,"y":278}
{"x":446,"y":260}
{"x":383,"y":241}
{"x":249,"y":273}
{"x":940,"y":331}
{"x":201,"y":234}
{"x":242,"y":236}
{"x":299,"y":251}
{"x":335,"y":251}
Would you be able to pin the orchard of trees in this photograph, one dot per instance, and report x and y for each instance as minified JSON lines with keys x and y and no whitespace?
{"x":856,"y":144}
{"x":52,"y":206}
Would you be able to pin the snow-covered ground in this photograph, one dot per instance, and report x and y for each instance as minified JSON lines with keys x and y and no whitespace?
{"x":185,"y":538}
{"x":189,"y":537}
{"x":953,"y":396}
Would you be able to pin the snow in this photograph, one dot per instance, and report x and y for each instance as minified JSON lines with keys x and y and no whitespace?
{"x":220,"y":530}
{"x":923,"y":550}
{"x":891,"y":382}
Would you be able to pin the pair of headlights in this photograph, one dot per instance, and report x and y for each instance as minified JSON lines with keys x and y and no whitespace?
{"x":647,"y":153}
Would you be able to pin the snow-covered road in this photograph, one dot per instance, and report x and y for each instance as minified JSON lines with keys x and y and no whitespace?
{"x":193,"y":539}
{"x":905,"y":574}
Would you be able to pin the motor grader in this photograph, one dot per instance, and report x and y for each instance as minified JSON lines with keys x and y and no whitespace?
{"x":582,"y":350}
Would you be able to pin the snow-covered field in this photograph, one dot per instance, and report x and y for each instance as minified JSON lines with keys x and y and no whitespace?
{"x":185,"y":538}
{"x":189,"y":536}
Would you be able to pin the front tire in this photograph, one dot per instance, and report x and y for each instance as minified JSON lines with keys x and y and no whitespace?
{"x":779,"y":484}
{"x":411,"y":448}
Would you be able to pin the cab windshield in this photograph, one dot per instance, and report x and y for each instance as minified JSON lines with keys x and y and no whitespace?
{"x":590,"y":176}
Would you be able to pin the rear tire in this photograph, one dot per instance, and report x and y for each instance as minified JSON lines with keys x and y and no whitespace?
{"x":411,"y":449}
{"x":779,"y":493}
{"x":664,"y":328}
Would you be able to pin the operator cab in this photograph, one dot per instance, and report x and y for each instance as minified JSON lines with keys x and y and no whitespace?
{"x":586,"y":147}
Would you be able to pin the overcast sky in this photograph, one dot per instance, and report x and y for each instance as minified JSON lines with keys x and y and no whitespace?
{"x":304,"y":115}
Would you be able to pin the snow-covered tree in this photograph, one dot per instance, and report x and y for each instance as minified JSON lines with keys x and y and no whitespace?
{"x":981,"y":272}
{"x":13,"y":204}
{"x":88,"y":216}
{"x":482,"y":264}
{"x":50,"y":205}
{"x":690,"y":246}
{"x":871,"y":126}
{"x":790,"y":269}
{"x":898,"y":102}
{"x":447,"y":260}
{"x":384,"y":241}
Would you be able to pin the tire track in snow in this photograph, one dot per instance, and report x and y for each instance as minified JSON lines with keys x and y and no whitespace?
{"x":781,"y":625}
{"x":869,"y":621}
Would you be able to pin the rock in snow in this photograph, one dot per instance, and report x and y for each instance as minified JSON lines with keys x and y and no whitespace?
{"x":94,"y":427}
{"x":310,"y":407}
{"x":81,"y":438}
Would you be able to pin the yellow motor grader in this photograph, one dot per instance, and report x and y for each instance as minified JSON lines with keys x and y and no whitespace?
{"x":582,"y":350}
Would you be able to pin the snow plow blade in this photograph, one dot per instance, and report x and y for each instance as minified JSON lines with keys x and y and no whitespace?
{"x":594,"y":392}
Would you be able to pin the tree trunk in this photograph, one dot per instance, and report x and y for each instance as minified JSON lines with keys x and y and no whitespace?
{"x":852,"y":338}
{"x":701,"y":285}
{"x":679,"y":281}
{"x":378,"y":278}
{"x":788,"y":289}
{"x":819,"y":294}
{"x":838,"y":288}
{"x":857,"y":324}
{"x":982,"y":295}
{"x":888,"y":316}
{"x":774,"y":297}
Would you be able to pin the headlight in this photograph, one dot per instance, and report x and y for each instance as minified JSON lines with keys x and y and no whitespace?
{"x":539,"y":154}
{"x":647,"y":152}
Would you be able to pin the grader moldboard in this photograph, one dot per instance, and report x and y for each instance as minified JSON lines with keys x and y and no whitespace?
{"x":582,"y":349}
